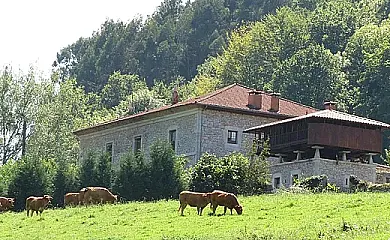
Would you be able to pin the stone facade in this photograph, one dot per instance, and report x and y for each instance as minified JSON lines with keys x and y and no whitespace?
{"x":338,"y":172}
{"x":197,"y":131}
{"x":215,"y":127}
{"x":150,"y":130}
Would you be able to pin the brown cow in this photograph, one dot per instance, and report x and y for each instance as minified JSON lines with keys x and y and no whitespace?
{"x":194,"y":199}
{"x":37,"y":204}
{"x":228,"y":200}
{"x":98,"y":195}
{"x":6,"y":203}
{"x":71,"y":199}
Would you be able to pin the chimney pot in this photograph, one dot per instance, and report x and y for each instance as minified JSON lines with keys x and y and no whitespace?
{"x":329,"y":105}
{"x":275,"y":97}
{"x":175,"y":96}
{"x":255,"y":99}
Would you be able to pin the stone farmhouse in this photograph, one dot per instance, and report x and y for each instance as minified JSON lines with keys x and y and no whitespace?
{"x":303,"y":140}
{"x":213,"y":123}
{"x":325,"y":142}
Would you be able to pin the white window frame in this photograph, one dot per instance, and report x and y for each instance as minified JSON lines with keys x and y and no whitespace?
{"x":232,"y":146}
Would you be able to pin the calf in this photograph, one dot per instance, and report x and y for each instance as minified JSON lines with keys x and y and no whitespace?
{"x":228,"y":200}
{"x":71,"y":199}
{"x":98,"y":195}
{"x":194,"y":199}
{"x":6,"y":203}
{"x":37,"y":204}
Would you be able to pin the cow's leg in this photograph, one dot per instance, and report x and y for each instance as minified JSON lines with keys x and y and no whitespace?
{"x":224,"y":210}
{"x":214,"y":208}
{"x":201,"y":210}
{"x":27,"y":212}
{"x":183,"y":206}
{"x":231,"y":211}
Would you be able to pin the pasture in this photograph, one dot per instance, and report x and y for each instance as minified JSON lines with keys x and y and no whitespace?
{"x":277,"y":216}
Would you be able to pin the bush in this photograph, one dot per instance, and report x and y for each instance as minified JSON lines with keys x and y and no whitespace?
{"x":88,"y":173}
{"x":166,"y":171}
{"x":133,"y":178}
{"x":65,"y":180}
{"x":379,"y":187}
{"x":258,"y":177}
{"x":32,"y":177}
{"x":6,"y":174}
{"x":314,"y":183}
{"x":228,"y":173}
{"x":104,"y":173}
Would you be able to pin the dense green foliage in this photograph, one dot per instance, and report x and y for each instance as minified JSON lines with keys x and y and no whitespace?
{"x":32,"y":177}
{"x":133,"y":178}
{"x":357,"y":216}
{"x":232,"y":173}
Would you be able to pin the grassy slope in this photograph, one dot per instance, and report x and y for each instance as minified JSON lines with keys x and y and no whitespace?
{"x":281,"y":216}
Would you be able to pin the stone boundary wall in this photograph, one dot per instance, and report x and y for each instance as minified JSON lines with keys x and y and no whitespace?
{"x":338,"y":172}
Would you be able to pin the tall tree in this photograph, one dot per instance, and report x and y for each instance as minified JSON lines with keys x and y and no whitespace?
{"x":18,"y":101}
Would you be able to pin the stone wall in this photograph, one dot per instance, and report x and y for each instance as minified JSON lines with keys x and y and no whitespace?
{"x":338,"y":172}
{"x":150,"y":131}
{"x":215,"y":126}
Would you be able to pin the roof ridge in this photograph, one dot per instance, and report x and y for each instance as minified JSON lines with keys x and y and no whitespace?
{"x":213,"y":94}
{"x":357,"y":116}
{"x":300,"y":104}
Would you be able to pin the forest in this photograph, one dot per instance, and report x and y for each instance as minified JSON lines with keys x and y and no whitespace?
{"x":310,"y":51}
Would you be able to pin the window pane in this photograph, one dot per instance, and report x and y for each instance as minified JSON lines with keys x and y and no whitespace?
{"x":137,"y":144}
{"x":109,"y":149}
{"x":232,"y":137}
{"x":172,"y":139}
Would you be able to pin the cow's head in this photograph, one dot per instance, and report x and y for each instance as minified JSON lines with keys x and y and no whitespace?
{"x":238,"y":209}
{"x":48,"y":198}
{"x":11,"y":201}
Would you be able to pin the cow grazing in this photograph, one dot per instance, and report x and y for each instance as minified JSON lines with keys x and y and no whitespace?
{"x":194,"y":199}
{"x":71,"y":199}
{"x":6,"y":203}
{"x":37,"y":204}
{"x":228,"y":200}
{"x":98,"y":195}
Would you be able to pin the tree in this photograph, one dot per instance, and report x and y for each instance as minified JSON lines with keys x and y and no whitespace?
{"x":88,"y":171}
{"x":368,"y":56}
{"x":258,"y":172}
{"x":133,"y":180}
{"x":66,"y":179}
{"x":18,"y":101}
{"x":104,"y":173}
{"x":33,"y":177}
{"x":119,"y":87}
{"x":311,"y":76}
{"x":165,"y":172}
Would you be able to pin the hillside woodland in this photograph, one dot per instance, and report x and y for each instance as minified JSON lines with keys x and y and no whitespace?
{"x":308,"y":50}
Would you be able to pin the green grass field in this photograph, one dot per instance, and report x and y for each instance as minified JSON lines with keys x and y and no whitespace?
{"x":278,"y":216}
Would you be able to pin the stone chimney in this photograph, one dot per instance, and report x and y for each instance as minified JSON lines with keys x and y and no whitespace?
{"x":275,"y":97}
{"x":255,"y":99}
{"x":329,"y":105}
{"x":175,"y":96}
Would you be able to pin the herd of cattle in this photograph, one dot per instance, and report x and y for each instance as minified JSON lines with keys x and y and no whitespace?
{"x":100,"y":195}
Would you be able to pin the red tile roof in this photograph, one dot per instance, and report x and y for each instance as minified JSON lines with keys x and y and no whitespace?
{"x":329,"y":114}
{"x":230,"y":98}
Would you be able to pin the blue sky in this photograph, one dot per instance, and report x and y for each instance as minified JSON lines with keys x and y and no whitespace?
{"x":32,"y":32}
